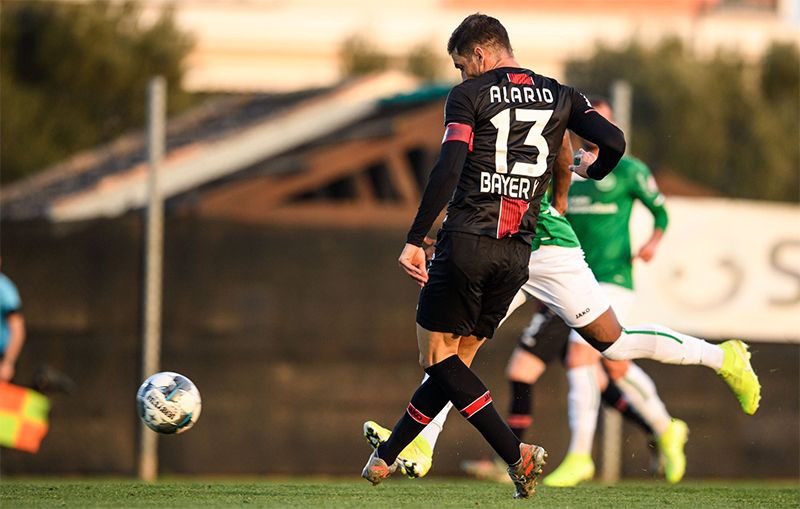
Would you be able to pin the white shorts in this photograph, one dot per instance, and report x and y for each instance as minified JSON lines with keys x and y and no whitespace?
{"x":560,"y":279}
{"x":621,"y":300}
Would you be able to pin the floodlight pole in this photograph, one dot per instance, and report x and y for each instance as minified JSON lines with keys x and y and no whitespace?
{"x":621,"y":94}
{"x":151,"y":340}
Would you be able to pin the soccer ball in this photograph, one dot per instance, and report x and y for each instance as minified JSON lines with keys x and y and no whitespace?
{"x":168,"y":403}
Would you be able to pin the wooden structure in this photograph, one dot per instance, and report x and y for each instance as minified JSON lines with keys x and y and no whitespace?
{"x":357,"y":154}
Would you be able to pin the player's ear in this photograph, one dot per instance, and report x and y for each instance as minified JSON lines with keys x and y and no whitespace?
{"x":479,"y":55}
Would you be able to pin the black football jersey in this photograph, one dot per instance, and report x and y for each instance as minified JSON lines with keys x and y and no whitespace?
{"x":514,"y":120}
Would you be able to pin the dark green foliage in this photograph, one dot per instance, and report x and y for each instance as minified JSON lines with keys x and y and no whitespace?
{"x":719,"y":121}
{"x":74,"y":75}
{"x":780,"y":83}
{"x":424,"y":62}
{"x":360,"y":56}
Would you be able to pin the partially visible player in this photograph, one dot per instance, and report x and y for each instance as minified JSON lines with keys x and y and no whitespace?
{"x":504,"y":126}
{"x":12,"y":328}
{"x":12,"y":339}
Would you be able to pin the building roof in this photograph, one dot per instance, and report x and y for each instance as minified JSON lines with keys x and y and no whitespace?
{"x":224,"y":136}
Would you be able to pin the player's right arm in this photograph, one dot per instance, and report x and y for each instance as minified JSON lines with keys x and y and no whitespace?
{"x":459,"y":123}
{"x":593,"y":127}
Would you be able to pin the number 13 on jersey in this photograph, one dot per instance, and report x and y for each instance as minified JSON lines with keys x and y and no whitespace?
{"x":538,"y":119}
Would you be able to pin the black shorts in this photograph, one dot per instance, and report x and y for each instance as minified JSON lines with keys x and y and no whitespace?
{"x":546,"y":337}
{"x":471,"y":282}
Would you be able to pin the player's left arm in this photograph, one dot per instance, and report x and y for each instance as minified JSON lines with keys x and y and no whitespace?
{"x":562,"y":176}
{"x":593,"y":127}
{"x":645,"y":189}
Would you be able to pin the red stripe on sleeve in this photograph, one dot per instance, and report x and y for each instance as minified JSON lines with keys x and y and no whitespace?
{"x":458,"y":132}
{"x":476,"y":405}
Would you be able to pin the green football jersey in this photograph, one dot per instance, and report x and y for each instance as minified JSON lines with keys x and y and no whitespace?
{"x":599,"y":211}
{"x":553,"y":229}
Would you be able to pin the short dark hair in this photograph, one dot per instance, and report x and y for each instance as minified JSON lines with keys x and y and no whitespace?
{"x":477,"y":29}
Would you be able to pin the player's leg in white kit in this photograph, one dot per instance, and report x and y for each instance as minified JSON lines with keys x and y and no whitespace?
{"x":602,"y":330}
{"x":560,"y":278}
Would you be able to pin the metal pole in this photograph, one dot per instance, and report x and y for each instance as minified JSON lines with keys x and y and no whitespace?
{"x":622,"y":103}
{"x":621,"y":95}
{"x":151,"y":342}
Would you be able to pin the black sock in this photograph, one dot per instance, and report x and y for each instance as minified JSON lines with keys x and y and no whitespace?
{"x":471,"y":398}
{"x":613,"y":397}
{"x":426,"y":403}
{"x":520,"y":413}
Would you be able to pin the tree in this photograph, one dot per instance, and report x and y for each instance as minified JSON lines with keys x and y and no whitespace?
{"x":74,"y":75}
{"x":705,"y":117}
{"x":423,"y":62}
{"x":780,"y":84}
{"x":360,"y":56}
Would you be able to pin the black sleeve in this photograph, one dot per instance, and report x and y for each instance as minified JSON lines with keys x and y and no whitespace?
{"x":441,"y":184}
{"x":459,"y":107}
{"x":590,"y":125}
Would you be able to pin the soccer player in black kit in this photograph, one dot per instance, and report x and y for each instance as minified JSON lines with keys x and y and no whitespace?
{"x":503,"y":129}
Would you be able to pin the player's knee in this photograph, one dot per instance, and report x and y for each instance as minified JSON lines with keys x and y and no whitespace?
{"x":522,"y":377}
{"x":468,"y":348}
{"x":431,"y":358}
{"x":515,"y":374}
{"x":616,"y":369}
{"x":524,"y":367}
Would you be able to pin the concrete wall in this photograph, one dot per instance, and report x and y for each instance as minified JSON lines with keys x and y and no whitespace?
{"x":294,"y":338}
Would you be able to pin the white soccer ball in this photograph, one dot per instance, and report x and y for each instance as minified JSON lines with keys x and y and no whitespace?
{"x":168,"y":403}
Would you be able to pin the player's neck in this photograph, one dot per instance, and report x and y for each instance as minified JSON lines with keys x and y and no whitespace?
{"x":506,"y":61}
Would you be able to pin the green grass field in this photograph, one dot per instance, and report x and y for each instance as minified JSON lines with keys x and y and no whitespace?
{"x":427,"y":493}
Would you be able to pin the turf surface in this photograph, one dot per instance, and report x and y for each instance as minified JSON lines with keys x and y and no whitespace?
{"x":426,"y":493}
